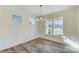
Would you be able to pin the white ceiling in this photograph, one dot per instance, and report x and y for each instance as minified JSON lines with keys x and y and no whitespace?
{"x":46,"y":9}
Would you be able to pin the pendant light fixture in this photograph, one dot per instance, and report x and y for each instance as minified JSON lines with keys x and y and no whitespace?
{"x":41,"y":17}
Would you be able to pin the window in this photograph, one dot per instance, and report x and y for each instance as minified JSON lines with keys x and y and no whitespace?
{"x":49,"y":27}
{"x":32,"y":21}
{"x":54,"y":26}
{"x":17,"y":19}
{"x":58,"y":26}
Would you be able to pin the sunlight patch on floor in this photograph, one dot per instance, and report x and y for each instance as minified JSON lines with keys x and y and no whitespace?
{"x":74,"y":45}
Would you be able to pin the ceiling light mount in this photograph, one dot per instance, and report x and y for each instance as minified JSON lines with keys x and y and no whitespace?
{"x":40,"y":5}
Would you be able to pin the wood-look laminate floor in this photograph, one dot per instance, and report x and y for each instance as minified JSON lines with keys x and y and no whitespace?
{"x":38,"y":46}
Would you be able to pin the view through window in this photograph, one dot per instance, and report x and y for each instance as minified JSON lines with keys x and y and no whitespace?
{"x":54,"y":26}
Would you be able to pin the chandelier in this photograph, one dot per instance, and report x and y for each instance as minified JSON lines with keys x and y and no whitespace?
{"x":41,"y":18}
